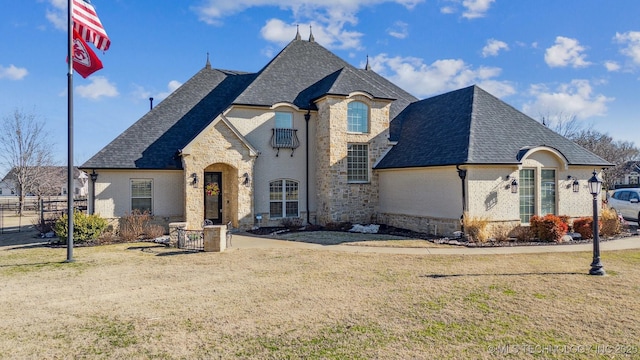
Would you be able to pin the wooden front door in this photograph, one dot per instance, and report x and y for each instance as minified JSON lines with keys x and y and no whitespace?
{"x":213,"y":197}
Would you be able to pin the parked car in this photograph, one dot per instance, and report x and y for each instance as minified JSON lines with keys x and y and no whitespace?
{"x":626,"y":202}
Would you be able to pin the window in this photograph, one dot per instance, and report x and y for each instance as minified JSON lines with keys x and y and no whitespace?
{"x":283,"y":129}
{"x":357,"y":163}
{"x":527,"y":195}
{"x":548,"y":192}
{"x":141,"y":195}
{"x":283,"y":198}
{"x":357,"y":117}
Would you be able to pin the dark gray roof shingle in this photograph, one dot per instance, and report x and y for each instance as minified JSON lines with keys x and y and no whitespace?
{"x":302,"y":72}
{"x":471,"y":126}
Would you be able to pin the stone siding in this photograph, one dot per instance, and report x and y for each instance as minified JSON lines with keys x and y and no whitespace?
{"x":218,"y":149}
{"x":337,"y":199}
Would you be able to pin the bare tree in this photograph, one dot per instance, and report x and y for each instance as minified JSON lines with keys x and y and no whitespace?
{"x":616,"y":152}
{"x":566,"y":125}
{"x":26,"y":150}
{"x":603,"y":145}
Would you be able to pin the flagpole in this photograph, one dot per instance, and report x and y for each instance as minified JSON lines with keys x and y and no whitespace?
{"x":70,"y":134}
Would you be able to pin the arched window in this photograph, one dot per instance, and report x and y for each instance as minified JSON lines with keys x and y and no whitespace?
{"x":357,"y":117}
{"x":283,"y":198}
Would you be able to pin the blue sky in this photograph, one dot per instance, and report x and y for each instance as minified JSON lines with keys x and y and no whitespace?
{"x":544,"y":57}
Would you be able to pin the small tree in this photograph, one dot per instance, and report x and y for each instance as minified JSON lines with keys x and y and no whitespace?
{"x":27,"y":151}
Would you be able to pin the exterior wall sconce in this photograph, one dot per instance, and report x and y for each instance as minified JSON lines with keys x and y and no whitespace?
{"x":194,"y":179}
{"x":245,"y":179}
{"x":575,"y":185}
{"x":513,"y":185}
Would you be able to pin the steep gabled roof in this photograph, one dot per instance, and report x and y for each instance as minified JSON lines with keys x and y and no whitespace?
{"x":471,"y":126}
{"x":304,"y":71}
{"x":153,"y":141}
{"x":301,"y":73}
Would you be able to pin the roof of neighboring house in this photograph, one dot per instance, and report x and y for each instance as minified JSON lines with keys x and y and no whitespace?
{"x":301,"y":73}
{"x":471,"y":126}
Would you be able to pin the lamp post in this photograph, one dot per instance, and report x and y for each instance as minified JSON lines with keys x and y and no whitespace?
{"x":595,"y":186}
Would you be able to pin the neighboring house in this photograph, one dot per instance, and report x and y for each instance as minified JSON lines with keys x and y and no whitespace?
{"x":629,"y":175}
{"x":311,"y":137}
{"x":52,"y":182}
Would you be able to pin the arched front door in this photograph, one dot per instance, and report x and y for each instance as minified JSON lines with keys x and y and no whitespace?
{"x":213,"y":197}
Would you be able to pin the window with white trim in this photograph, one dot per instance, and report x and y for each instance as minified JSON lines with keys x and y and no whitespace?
{"x":532,"y":197}
{"x":357,"y":163}
{"x":283,"y":198}
{"x":142,"y":195}
{"x":357,"y":117}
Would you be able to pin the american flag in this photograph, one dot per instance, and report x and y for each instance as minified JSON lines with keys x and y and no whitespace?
{"x":87,"y":24}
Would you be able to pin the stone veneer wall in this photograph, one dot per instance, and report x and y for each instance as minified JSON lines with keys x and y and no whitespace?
{"x":338,"y":200}
{"x":423,"y":224}
{"x":217,"y":148}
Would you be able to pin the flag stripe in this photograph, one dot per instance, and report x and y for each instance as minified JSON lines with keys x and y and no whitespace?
{"x":88,"y":25}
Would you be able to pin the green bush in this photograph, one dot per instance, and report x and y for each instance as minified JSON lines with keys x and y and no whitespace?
{"x":548,"y":227}
{"x":85,"y":227}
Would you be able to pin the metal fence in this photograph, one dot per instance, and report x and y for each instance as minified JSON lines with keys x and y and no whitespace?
{"x":34,"y":211}
{"x":192,"y":240}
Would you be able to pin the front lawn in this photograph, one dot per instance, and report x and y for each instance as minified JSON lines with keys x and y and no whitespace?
{"x":143,"y":301}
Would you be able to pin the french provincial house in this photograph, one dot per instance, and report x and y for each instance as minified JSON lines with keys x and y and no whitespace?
{"x":311,"y":137}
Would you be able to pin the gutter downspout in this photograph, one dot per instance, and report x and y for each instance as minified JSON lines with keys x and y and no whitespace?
{"x":307,"y":116}
{"x":462,"y":173}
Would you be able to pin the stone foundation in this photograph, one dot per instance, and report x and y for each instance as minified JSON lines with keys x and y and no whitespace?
{"x":428,"y":225}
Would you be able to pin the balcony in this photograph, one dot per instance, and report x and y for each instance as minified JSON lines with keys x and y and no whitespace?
{"x":284,"y":138}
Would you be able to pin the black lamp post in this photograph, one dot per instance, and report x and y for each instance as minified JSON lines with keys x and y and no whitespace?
{"x":595,"y":185}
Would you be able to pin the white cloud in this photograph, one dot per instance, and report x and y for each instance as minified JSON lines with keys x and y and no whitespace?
{"x":632,"y":41}
{"x":447,"y":10}
{"x":611,"y":66}
{"x":493,"y":47}
{"x":330,"y":35}
{"x":400,"y":30}
{"x":566,"y":52}
{"x":576,"y":98}
{"x":144,"y":94}
{"x":58,"y":15}
{"x":99,"y":87}
{"x":329,"y":17}
{"x":476,"y":8}
{"x":12,"y":72}
{"x":423,"y":79}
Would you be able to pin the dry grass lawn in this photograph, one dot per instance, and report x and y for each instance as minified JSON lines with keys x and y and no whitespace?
{"x":141,"y":301}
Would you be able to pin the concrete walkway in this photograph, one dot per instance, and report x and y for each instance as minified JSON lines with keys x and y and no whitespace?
{"x":243,"y":241}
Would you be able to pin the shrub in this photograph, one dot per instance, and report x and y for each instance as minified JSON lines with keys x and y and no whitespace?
{"x":584,"y":226}
{"x":85,"y":227}
{"x":522,"y":233}
{"x":292,"y":223}
{"x":476,"y":228}
{"x":548,"y":227}
{"x":154,"y":231}
{"x":133,"y":225}
{"x":501,"y":232}
{"x":46,"y":224}
{"x":610,"y":223}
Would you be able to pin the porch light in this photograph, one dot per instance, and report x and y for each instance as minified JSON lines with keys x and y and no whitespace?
{"x":194,"y":179}
{"x":514,"y":186}
{"x":575,"y":185}
{"x":595,"y":185}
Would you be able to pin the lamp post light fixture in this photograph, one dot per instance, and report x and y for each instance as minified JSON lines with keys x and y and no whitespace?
{"x":595,"y":185}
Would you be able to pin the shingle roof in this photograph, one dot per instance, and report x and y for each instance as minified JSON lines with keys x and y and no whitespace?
{"x":302,"y":72}
{"x":471,"y":126}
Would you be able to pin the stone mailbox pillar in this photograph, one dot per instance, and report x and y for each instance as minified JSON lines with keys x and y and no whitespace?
{"x":215,"y":238}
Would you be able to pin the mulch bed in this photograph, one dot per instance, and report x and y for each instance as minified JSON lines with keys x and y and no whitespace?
{"x":628,"y":230}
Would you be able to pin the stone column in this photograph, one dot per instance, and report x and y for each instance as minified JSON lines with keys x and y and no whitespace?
{"x":215,"y":238}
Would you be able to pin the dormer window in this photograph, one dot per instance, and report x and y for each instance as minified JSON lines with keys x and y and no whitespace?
{"x":357,"y":117}
{"x":284,"y":136}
